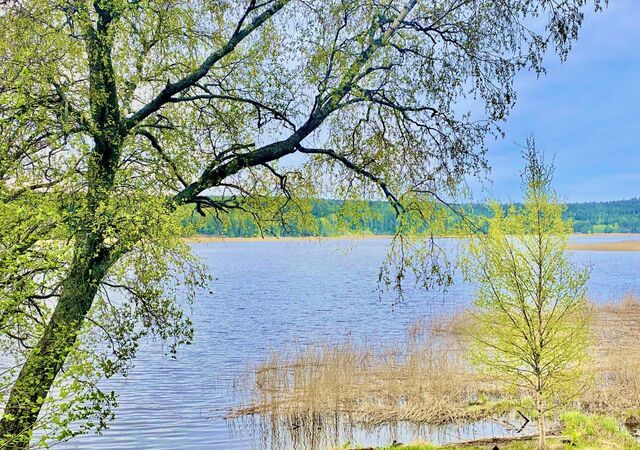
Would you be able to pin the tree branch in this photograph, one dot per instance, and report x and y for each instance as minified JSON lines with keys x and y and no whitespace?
{"x":215,"y":172}
{"x":188,"y":81}
{"x":393,"y":199}
{"x":277,"y":114}
{"x":156,"y":145}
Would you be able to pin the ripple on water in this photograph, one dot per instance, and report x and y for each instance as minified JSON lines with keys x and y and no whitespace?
{"x":269,"y":294}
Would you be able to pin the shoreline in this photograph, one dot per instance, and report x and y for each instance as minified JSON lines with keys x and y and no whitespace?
{"x":629,"y":245}
{"x":613,"y":246}
{"x":349,"y":237}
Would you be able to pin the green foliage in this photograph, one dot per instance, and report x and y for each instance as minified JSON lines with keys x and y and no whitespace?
{"x":531,"y":325}
{"x":595,"y":431}
{"x":143,"y":294}
{"x":622,"y":216}
{"x":329,"y":218}
{"x":314,"y":217}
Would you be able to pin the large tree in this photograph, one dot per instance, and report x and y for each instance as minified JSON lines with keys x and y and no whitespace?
{"x":117,"y":114}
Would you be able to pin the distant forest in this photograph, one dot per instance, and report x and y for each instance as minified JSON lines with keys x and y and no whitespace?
{"x":333,"y":218}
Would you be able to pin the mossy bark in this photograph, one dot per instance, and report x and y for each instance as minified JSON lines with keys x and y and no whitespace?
{"x":47,"y":358}
{"x":92,"y":257}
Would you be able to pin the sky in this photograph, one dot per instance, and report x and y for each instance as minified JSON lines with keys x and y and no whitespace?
{"x":583,"y":113}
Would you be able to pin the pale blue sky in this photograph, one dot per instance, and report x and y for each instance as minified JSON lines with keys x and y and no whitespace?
{"x":584,"y":111}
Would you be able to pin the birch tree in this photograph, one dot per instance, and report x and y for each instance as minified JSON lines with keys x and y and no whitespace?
{"x":531,"y":323}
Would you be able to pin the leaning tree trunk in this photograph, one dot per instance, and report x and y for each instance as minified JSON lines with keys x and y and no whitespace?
{"x":91,"y":259}
{"x":48,"y":356}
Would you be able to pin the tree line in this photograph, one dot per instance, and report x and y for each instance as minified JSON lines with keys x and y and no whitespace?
{"x":344,"y":217}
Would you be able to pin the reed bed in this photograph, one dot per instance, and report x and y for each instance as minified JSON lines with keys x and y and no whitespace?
{"x":616,"y":362}
{"x":422,"y":379}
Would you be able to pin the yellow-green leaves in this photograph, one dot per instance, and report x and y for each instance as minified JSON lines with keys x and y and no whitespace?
{"x":531,"y":316}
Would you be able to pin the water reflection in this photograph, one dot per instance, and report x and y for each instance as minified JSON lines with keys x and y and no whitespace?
{"x":337,"y":432}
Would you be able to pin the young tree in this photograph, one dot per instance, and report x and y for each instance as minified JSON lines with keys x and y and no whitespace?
{"x":531,"y":319}
{"x":116,"y":113}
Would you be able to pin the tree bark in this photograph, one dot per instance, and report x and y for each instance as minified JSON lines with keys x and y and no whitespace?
{"x":542,"y":439}
{"x":91,"y":258}
{"x":47,"y":358}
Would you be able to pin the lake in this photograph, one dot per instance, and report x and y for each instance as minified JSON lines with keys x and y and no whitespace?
{"x":269,"y":294}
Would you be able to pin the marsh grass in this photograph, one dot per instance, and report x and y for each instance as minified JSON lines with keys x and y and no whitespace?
{"x":312,"y":393}
{"x":308,"y":395}
{"x":616,"y":366}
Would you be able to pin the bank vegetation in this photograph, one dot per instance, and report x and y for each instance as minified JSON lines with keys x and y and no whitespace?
{"x":313,"y":393}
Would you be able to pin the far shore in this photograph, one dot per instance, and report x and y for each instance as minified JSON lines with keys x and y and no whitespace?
{"x":202,"y":239}
{"x":615,"y":246}
{"x":631,"y":245}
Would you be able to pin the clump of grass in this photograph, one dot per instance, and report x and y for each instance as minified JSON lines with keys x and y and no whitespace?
{"x":590,"y":430}
{"x":424,"y":379}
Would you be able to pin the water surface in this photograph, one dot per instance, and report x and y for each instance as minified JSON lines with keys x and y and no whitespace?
{"x":273,"y":293}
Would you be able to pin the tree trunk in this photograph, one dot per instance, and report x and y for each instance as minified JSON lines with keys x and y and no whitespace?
{"x":47,"y":358}
{"x":91,"y":258}
{"x":542,"y":439}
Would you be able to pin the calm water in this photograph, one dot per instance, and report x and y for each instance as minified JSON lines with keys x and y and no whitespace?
{"x":269,"y":294}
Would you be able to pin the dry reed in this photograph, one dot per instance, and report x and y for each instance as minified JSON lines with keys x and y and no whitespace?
{"x":616,"y":350}
{"x":425,"y":379}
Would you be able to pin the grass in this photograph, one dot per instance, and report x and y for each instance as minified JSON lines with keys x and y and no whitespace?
{"x":418,"y":446}
{"x":596,"y":431}
{"x":616,"y":368}
{"x":423,"y":380}
{"x":310,"y":391}
{"x":311,"y":394}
